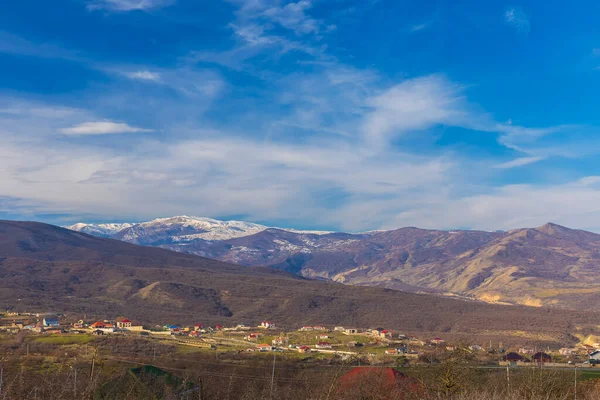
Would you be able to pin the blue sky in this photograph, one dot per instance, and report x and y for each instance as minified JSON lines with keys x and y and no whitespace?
{"x":322,"y":114}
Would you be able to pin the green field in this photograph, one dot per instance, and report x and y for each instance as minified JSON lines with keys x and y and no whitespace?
{"x":590,"y":374}
{"x":65,"y":339}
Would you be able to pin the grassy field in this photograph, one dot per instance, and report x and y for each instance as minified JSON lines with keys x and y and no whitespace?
{"x":590,"y":374}
{"x":65,"y":339}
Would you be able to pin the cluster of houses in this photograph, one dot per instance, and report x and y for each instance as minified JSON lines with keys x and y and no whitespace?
{"x":32,"y":322}
{"x":324,"y":335}
{"x":322,"y":338}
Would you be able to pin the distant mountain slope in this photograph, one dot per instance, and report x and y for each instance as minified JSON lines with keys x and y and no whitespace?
{"x":44,"y":267}
{"x":548,"y":265}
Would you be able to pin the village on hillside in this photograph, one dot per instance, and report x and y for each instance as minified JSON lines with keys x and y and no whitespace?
{"x":374,"y":344}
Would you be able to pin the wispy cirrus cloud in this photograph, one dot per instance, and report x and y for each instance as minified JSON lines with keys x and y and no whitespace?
{"x":516,"y":17}
{"x":102,"y":128}
{"x":293,"y":16}
{"x":13,"y":44}
{"x":414,"y":104}
{"x":188,"y":81}
{"x":420,"y":27}
{"x":519,"y":162}
{"x":268,"y":29}
{"x":128,"y":5}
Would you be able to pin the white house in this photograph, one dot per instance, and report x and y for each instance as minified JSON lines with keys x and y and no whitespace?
{"x":50,"y":322}
{"x":124,"y":323}
{"x":595,"y":355}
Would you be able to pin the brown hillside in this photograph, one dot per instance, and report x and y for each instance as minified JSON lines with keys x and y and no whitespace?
{"x":108,"y":278}
{"x":549,"y":265}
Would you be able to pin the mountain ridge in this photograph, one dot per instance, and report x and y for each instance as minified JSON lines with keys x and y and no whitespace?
{"x":47,"y":268}
{"x":547,"y":265}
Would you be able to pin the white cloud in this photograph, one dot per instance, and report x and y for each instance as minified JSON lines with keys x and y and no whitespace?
{"x":324,"y":178}
{"x":102,"y":128}
{"x":128,"y":5}
{"x":293,"y":16}
{"x":420,"y":27}
{"x":188,"y":81}
{"x":208,"y":176}
{"x":572,"y":204}
{"x":257,"y":30}
{"x":414,"y":104}
{"x":516,"y":17}
{"x":144,"y":75}
{"x":519,"y":162}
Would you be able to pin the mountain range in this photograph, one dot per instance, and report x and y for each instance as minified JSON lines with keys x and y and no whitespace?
{"x":48,"y":268}
{"x":548,"y":265}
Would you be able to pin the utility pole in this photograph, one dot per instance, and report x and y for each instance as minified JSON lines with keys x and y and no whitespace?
{"x":508,"y":376}
{"x":273,"y":374}
{"x":1,"y":378}
{"x":154,"y":356}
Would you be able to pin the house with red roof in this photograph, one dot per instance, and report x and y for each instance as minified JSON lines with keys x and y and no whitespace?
{"x":253,"y":337}
{"x":381,"y":333}
{"x":106,"y":327}
{"x":323,"y":345}
{"x":437,"y":341}
{"x":303,"y":349}
{"x":264,"y":347}
{"x":124,"y":323}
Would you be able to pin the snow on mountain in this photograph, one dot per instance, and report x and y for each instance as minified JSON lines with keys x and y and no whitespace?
{"x":101,"y":230}
{"x":178,"y":230}
{"x":182,"y":229}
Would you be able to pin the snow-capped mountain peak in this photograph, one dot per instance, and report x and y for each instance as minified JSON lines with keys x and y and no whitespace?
{"x":185,"y":228}
{"x":179,"y":230}
{"x":102,"y":230}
